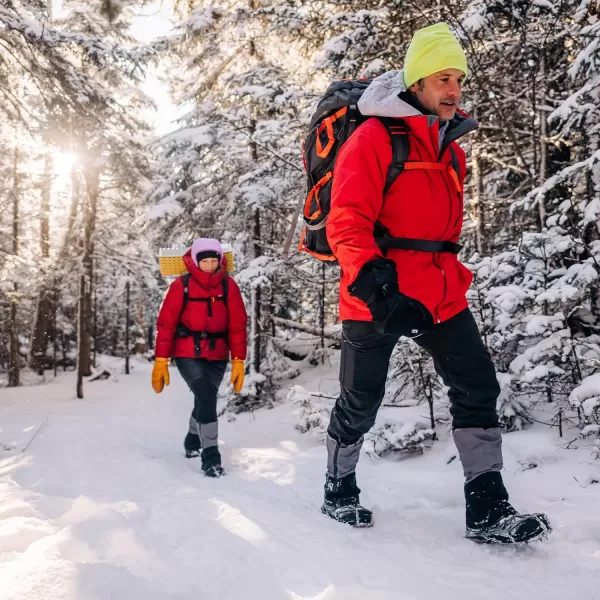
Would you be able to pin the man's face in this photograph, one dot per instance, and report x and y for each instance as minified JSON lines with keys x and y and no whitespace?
{"x":440,"y":93}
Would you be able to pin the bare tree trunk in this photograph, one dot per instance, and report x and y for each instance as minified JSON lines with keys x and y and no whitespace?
{"x":127,"y":301}
{"x":55,"y":334}
{"x":256,"y":238}
{"x":14,"y":361}
{"x":478,"y":204}
{"x":322,"y":312}
{"x":44,"y":311}
{"x":141,"y":344}
{"x":81,"y":349}
{"x":115,"y":338}
{"x":45,"y":206}
{"x":256,"y":324}
{"x":64,"y":351}
{"x":592,"y":234}
{"x":256,"y":300}
{"x":539,"y":162}
{"x":426,"y":383}
{"x":543,"y":116}
{"x":92,"y":180}
{"x":95,"y":330}
{"x":75,"y":199}
{"x":41,"y":331}
{"x":150,"y":342}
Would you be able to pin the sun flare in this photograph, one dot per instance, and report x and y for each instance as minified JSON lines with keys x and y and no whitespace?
{"x":63,"y":163}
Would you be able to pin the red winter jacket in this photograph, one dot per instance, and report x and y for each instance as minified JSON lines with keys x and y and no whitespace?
{"x":230,"y":316}
{"x":422,"y":203}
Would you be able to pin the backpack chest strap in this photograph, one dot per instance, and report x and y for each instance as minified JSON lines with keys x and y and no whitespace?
{"x":210,"y":301}
{"x":411,"y":166}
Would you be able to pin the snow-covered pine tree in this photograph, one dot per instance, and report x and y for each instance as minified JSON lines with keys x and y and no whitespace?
{"x":81,"y":77}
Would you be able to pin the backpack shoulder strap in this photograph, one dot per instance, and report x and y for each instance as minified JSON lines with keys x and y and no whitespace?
{"x":400,"y":149}
{"x":186,"y":293}
{"x":454,"y":162}
{"x":225,"y":283}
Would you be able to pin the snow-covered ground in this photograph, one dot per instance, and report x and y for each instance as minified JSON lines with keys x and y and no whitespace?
{"x":98,"y":502}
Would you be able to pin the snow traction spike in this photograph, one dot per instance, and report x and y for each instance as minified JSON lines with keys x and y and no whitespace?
{"x":215,"y":471}
{"x":514,"y":529}
{"x":354,"y":515}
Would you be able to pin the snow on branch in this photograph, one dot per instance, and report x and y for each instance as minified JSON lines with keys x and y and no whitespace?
{"x":567,"y":175}
{"x":332,"y":332}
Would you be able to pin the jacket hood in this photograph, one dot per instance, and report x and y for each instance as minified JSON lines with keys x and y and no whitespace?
{"x":206,"y":280}
{"x":381,"y":98}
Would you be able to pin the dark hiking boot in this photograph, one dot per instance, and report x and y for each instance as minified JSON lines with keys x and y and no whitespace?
{"x":191,"y":444}
{"x":491,"y":519}
{"x":342,"y":503}
{"x":211,"y":462}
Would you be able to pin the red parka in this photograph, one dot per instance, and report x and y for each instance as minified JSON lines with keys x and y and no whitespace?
{"x":206,"y":310}
{"x":422,"y":203}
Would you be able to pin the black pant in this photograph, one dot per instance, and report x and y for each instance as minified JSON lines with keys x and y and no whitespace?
{"x":203,"y":378}
{"x":459,"y":357}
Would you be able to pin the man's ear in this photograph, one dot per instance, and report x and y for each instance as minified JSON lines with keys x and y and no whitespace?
{"x":417,"y":86}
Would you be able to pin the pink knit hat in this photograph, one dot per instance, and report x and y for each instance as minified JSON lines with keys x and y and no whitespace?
{"x":208,"y":246}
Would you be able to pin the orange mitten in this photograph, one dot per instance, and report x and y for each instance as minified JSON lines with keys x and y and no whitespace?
{"x":160,"y":374}
{"x":238,"y":371}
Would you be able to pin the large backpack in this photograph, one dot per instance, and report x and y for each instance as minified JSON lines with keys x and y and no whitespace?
{"x":334,"y":121}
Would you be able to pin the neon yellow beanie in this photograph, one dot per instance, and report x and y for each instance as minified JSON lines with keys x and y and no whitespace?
{"x":433,"y":49}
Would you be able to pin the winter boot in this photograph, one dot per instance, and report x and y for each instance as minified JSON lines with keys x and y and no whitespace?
{"x":341,"y":492}
{"x":211,"y":457}
{"x":492,"y":520}
{"x":211,"y":462}
{"x":341,"y":502}
{"x":191,"y":444}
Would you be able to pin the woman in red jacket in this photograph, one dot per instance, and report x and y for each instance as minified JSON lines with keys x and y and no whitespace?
{"x":201,"y":322}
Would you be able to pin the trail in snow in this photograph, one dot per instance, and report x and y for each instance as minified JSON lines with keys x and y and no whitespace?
{"x":102,"y":504}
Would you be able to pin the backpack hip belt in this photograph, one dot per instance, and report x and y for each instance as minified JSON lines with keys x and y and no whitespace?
{"x":183,"y":331}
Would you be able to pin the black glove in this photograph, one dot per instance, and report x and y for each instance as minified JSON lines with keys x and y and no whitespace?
{"x":377,"y":286}
{"x":409,"y":318}
{"x":393,"y":312}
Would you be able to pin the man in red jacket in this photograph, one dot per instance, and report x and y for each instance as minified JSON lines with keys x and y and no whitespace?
{"x":414,"y":293}
{"x":201,"y":321}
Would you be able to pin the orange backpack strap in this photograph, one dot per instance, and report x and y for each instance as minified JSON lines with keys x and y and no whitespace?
{"x":452,"y":170}
{"x":398,"y":132}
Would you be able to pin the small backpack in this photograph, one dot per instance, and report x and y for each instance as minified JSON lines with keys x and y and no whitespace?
{"x":334,"y":121}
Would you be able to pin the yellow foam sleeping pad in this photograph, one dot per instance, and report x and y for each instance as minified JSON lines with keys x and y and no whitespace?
{"x":172,"y":265}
